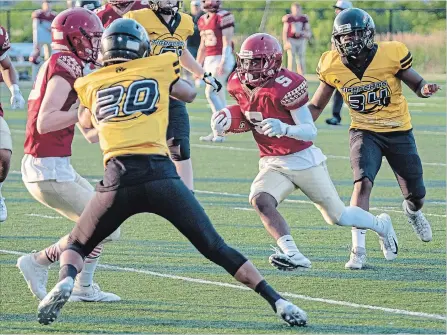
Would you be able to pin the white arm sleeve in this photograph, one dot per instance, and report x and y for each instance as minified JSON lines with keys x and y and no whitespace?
{"x":304,"y":129}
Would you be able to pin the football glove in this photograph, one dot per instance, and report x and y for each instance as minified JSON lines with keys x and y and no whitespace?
{"x":429,"y":89}
{"x":219,"y":124}
{"x":17,"y":101}
{"x":213,"y":82}
{"x":273,"y":127}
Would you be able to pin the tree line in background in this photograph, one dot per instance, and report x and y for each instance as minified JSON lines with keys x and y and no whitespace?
{"x":420,"y":25}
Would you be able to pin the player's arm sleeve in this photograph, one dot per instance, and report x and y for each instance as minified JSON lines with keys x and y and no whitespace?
{"x":190,"y":27}
{"x":5,"y":45}
{"x":304,"y":128}
{"x":404,"y":56}
{"x":296,"y":97}
{"x":80,"y":87}
{"x":66,"y":67}
{"x":226,"y":21}
{"x":321,"y":69}
{"x":174,"y":63}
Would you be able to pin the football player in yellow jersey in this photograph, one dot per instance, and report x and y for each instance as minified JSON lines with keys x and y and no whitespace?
{"x":168,"y":30}
{"x":127,"y":102}
{"x":369,"y":76}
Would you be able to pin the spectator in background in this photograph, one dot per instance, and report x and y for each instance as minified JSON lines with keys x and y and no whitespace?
{"x":70,"y":4}
{"x":42,"y":19}
{"x":296,"y":33}
{"x":194,"y":40}
{"x":337,"y":100}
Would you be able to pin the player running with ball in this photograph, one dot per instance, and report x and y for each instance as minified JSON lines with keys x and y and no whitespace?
{"x":274,"y":100}
{"x":127,"y":101}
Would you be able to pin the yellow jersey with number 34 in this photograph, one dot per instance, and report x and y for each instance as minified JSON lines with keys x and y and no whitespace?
{"x":165,"y":37}
{"x":129,"y":103}
{"x":374,"y":97}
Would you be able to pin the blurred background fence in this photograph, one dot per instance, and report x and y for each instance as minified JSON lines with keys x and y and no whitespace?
{"x":421,"y":25}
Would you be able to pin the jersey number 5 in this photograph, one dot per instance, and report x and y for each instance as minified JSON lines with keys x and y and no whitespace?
{"x":142,"y":96}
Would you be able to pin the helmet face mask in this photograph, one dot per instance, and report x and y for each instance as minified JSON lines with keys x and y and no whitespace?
{"x":166,"y":7}
{"x":353,"y":32}
{"x":211,"y":6}
{"x":259,"y":60}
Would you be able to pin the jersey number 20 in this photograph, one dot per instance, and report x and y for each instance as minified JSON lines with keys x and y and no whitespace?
{"x":142,"y":96}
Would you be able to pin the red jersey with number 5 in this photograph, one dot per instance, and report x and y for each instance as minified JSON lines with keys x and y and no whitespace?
{"x":211,"y":26}
{"x":108,"y":13}
{"x":57,"y":143}
{"x":4,"y":47}
{"x":286,"y":92}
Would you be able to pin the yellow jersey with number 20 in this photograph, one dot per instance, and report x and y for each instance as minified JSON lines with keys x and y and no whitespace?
{"x":129,"y":103}
{"x":375,"y":99}
{"x":165,"y":37}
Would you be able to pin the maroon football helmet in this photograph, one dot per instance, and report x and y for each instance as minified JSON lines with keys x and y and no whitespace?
{"x":211,"y":5}
{"x":259,"y":60}
{"x":74,"y":30}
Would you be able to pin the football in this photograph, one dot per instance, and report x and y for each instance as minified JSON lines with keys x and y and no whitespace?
{"x":237,"y":123}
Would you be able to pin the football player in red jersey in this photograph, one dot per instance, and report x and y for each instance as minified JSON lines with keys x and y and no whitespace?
{"x":216,"y":52}
{"x":46,"y":169}
{"x":115,"y":9}
{"x":10,"y":78}
{"x":274,"y":100}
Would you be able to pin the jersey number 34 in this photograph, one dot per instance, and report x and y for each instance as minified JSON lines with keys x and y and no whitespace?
{"x":140,"y":96}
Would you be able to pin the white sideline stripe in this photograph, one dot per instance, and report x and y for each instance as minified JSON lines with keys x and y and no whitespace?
{"x":221,"y":147}
{"x":239,"y":287}
{"x":388,"y":209}
{"x":44,"y":216}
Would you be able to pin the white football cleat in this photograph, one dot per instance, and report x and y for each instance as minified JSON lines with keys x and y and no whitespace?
{"x":92,"y":293}
{"x":3,"y":210}
{"x":291,"y":314}
{"x":50,"y":307}
{"x":388,"y":242}
{"x":207,"y":138}
{"x":419,"y":223}
{"x":289,"y":262}
{"x":218,"y":139}
{"x":357,"y":259}
{"x":36,"y":275}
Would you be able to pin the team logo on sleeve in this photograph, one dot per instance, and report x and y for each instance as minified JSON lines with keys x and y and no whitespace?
{"x":368,"y":96}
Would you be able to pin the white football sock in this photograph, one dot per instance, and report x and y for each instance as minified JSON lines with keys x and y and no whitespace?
{"x":85,"y":277}
{"x":356,"y":217}
{"x":358,"y":238}
{"x":407,"y":209}
{"x":287,"y":244}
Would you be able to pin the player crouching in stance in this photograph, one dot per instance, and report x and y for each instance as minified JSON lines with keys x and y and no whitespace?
{"x":127,"y":101}
{"x":46,"y":169}
{"x":369,"y":76}
{"x":274,"y":100}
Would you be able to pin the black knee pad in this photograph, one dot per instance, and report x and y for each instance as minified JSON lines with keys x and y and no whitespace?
{"x":77,"y":247}
{"x":225,"y":256}
{"x":179,"y":148}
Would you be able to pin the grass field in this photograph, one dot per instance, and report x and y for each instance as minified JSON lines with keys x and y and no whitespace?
{"x":168,"y":287}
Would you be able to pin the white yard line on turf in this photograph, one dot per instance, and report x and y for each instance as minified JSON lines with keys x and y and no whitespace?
{"x":239,"y":287}
{"x":222,"y":147}
{"x":44,"y":216}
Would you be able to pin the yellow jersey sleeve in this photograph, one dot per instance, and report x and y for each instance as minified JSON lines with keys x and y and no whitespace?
{"x":81,"y":87}
{"x":404,"y":56}
{"x":323,"y":65}
{"x":174,"y":71}
{"x":189,"y":24}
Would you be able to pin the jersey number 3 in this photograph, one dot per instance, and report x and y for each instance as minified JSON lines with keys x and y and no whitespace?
{"x":142,"y":96}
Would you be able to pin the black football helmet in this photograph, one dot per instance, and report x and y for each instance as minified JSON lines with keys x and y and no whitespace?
{"x":353,"y":32}
{"x":124,"y":40}
{"x":166,"y":7}
{"x":88,"y":4}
